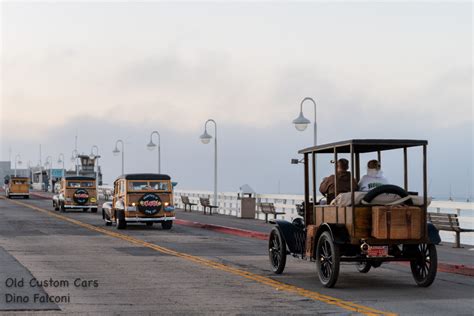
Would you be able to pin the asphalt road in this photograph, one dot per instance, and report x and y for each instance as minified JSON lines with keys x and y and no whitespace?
{"x":146,"y":270}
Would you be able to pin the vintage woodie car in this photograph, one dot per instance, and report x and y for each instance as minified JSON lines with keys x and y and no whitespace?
{"x":17,"y":186}
{"x":141,"y":198}
{"x":76,"y":192}
{"x":388,"y":223}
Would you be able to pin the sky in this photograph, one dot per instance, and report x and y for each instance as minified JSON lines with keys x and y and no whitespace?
{"x":119,"y":70}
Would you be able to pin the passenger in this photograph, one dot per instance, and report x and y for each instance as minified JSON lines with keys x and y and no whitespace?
{"x":373,"y":178}
{"x":343,"y":181}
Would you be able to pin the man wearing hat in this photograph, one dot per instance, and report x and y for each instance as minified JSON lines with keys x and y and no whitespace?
{"x":327,"y":187}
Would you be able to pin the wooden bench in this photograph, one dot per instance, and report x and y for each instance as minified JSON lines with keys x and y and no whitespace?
{"x":269,"y":208}
{"x":448,"y":222}
{"x":186,"y":203}
{"x":206,"y":204}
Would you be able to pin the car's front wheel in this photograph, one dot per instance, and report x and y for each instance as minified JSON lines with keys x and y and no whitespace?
{"x":167,"y":225}
{"x":277,"y":251}
{"x":327,"y":260}
{"x":120,"y":218}
{"x":363,"y":267}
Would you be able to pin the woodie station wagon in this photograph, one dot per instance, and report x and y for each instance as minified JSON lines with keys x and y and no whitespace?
{"x":76,"y":192}
{"x":141,"y":198}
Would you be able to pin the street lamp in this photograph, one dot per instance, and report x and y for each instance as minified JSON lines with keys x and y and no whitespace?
{"x":96,"y":157}
{"x":74,"y":160}
{"x":49,"y":164}
{"x":116,"y":151}
{"x":17,"y":160}
{"x":61,"y":161}
{"x":301,"y":122}
{"x":151,"y":146}
{"x":205,"y":139}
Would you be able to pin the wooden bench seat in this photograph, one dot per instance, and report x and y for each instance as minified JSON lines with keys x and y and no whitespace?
{"x":269,"y":208}
{"x":187,"y":203}
{"x":448,"y":222}
{"x":206,"y":204}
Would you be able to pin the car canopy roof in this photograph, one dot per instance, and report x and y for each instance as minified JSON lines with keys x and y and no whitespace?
{"x":145,"y":176}
{"x":363,"y":146}
{"x":79,"y":178}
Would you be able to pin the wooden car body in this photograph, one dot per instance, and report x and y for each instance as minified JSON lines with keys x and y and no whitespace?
{"x":18,"y":186}
{"x":77,"y":192}
{"x":143,"y":198}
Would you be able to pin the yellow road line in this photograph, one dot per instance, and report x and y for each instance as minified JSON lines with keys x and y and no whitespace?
{"x":347,"y":305}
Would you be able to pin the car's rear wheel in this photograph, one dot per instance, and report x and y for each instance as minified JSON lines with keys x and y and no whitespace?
{"x":120,"y":218}
{"x":363,"y":267}
{"x":63,"y":209}
{"x":26,"y":196}
{"x":277,"y":251}
{"x":149,"y":224}
{"x":166,"y":225}
{"x":85,"y":209}
{"x":327,"y":260}
{"x":424,"y":268}
{"x":94,"y":210}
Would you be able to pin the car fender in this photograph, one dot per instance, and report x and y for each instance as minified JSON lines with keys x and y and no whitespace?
{"x":338,"y":232}
{"x":288,"y":232}
{"x":433,"y":234}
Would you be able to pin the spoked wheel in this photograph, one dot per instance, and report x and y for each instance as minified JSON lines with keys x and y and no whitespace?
{"x":277,"y":251}
{"x":327,"y":260}
{"x":363,"y":267}
{"x":425,"y":266}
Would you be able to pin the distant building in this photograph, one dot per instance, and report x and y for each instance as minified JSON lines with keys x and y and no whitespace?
{"x":42,"y":178}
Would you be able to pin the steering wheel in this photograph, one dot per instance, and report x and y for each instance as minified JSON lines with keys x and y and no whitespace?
{"x":386,"y":189}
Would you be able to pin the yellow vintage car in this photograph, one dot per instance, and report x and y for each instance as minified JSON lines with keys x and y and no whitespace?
{"x":76,"y":192}
{"x":140,"y":198}
{"x":17,"y":186}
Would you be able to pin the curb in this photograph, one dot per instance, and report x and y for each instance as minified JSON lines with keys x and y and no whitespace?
{"x":224,"y":229}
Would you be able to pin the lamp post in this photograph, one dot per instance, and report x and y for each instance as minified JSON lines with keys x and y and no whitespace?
{"x":151,"y":145}
{"x":49,"y":164}
{"x":205,"y":139}
{"x":17,"y":160}
{"x":74,"y":160}
{"x":301,"y":122}
{"x":61,"y":161}
{"x":116,"y":151}
{"x":96,"y":156}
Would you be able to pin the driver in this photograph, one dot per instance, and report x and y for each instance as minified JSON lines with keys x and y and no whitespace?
{"x":343,"y":181}
{"x":373,"y":178}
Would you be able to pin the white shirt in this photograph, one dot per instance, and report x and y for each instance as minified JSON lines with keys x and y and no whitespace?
{"x":372,"y":179}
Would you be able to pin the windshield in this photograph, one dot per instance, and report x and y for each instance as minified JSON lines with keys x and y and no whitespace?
{"x":148,"y":186}
{"x":19,"y":181}
{"x":80,"y":184}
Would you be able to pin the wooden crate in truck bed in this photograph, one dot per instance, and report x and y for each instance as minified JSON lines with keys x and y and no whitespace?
{"x":397,"y":222}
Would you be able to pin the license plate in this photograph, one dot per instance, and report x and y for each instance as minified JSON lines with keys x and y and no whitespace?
{"x":377,"y":251}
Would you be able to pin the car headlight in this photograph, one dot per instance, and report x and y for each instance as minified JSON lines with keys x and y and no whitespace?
{"x":133,"y":204}
{"x":166,"y":204}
